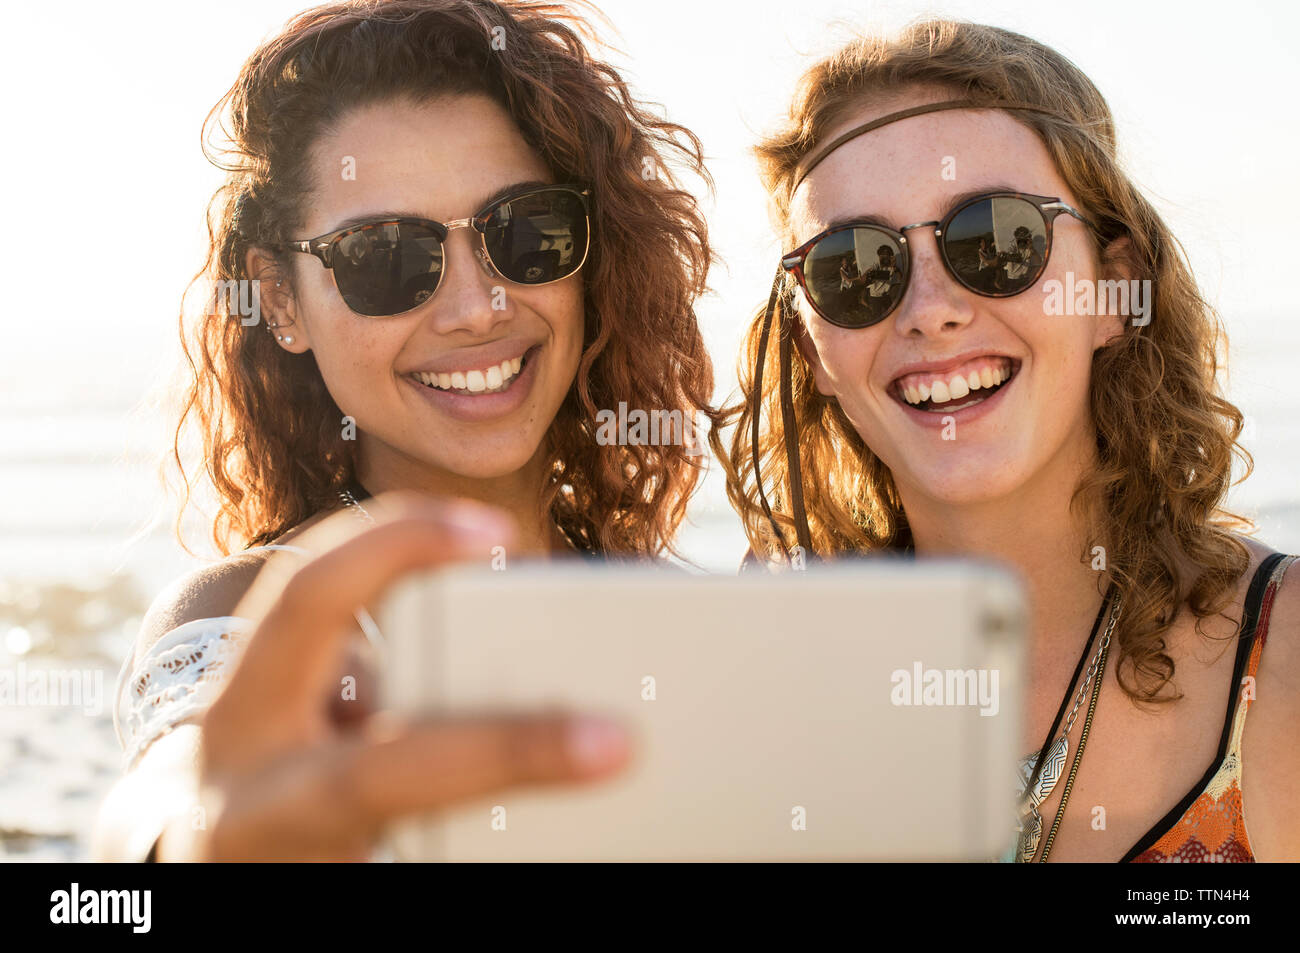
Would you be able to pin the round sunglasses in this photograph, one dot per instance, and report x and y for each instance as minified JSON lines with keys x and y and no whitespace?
{"x":389,"y":266}
{"x":996,"y":245}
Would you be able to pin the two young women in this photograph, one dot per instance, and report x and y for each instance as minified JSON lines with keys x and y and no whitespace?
{"x":948,"y":414}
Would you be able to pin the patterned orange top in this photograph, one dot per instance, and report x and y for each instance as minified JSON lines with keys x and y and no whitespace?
{"x":1209,"y":824}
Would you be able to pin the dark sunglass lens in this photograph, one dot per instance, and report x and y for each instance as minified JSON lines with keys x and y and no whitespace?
{"x":997,"y":246}
{"x":538,"y":237}
{"x":855,"y":276}
{"x":387,"y":268}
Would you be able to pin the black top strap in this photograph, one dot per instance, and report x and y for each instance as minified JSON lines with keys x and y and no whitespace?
{"x":358,"y":491}
{"x":1246,"y":641}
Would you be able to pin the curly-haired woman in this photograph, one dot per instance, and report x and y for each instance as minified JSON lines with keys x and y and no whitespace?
{"x":1087,"y":446}
{"x":460,"y":259}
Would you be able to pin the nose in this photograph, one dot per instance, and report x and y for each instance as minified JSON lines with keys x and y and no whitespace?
{"x":934,"y":303}
{"x":472,"y":296}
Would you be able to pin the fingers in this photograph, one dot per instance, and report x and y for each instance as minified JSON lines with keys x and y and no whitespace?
{"x":333,"y":802}
{"x":305,"y":610}
{"x":425,"y":766}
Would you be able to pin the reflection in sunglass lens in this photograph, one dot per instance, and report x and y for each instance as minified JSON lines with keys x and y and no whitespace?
{"x":855,"y":276}
{"x":387,"y":268}
{"x":539,"y":237}
{"x":997,"y":246}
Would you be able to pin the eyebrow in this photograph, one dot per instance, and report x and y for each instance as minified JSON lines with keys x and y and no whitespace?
{"x":384,"y":216}
{"x":953,"y":202}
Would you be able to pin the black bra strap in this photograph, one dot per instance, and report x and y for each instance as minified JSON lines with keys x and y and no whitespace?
{"x":1246,"y":641}
{"x":1249,"y":622}
{"x":1255,"y":595}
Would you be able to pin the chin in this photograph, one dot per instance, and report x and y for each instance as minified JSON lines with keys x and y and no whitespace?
{"x":963,"y":479}
{"x":487,"y":463}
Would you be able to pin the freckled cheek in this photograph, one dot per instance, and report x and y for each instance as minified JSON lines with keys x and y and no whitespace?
{"x":357,"y":353}
{"x":1058,"y":345}
{"x":846,"y":356}
{"x":562,"y":311}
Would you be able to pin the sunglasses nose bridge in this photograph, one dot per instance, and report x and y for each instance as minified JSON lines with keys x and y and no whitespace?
{"x":938,"y":230}
{"x":479,"y":241}
{"x":909,"y":248}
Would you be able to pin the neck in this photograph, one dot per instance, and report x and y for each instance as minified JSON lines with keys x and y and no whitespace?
{"x":380,"y":468}
{"x":1034,"y":532}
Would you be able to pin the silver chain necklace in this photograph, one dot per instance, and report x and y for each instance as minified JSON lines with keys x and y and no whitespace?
{"x":1031,"y":822}
{"x":351,"y":502}
{"x":364,"y":619}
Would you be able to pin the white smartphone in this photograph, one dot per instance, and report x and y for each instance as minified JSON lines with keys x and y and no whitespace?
{"x":865,"y":710}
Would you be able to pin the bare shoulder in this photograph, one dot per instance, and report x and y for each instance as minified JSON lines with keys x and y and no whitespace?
{"x":1270,"y":758}
{"x":1281,"y":653}
{"x":207,"y":592}
{"x":1283,"y":635}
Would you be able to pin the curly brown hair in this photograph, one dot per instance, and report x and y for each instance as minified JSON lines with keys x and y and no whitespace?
{"x":648,"y":262}
{"x":1166,"y":436}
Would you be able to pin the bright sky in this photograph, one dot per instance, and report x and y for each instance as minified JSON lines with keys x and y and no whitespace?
{"x":106,"y":185}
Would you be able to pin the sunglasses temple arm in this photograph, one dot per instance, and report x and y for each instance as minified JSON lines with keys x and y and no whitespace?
{"x":757,"y":410}
{"x":1062,"y":207}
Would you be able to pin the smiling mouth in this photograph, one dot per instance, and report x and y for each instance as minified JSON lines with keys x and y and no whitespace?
{"x":943,"y":393}
{"x":479,"y":381}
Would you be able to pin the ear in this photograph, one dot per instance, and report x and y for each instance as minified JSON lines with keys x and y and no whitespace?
{"x":808,"y":348}
{"x":1118,"y":263}
{"x":275,"y":294}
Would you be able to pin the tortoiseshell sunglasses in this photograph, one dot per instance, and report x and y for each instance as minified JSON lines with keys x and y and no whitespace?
{"x":855,"y":274}
{"x":387,"y":267}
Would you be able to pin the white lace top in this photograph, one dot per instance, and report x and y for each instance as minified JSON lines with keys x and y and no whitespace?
{"x":179,"y":675}
{"x":174,"y":682}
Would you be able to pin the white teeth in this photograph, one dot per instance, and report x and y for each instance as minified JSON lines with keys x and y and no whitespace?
{"x":490,"y":379}
{"x":955,"y":388}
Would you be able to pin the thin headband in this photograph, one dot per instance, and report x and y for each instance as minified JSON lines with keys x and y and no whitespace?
{"x":807,"y":165}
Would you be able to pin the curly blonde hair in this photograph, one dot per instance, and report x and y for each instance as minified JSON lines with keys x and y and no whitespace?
{"x":1166,"y":436}
{"x":271,"y":444}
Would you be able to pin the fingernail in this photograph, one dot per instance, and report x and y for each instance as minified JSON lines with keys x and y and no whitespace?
{"x":594,"y":743}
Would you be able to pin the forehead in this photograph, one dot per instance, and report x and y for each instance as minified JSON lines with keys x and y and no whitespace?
{"x":439,"y":159}
{"x":910,"y":170}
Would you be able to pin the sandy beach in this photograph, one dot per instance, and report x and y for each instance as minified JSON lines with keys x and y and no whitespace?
{"x":61,"y":648}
